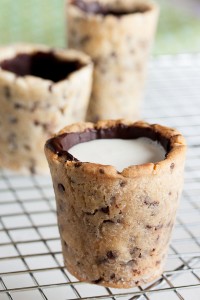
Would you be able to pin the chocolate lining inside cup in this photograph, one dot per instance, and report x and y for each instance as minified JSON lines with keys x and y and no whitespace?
{"x":62,"y":143}
{"x":95,"y":7}
{"x":45,"y":65}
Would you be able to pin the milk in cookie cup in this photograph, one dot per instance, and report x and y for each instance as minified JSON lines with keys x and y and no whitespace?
{"x":41,"y":89}
{"x":115,"y":225}
{"x":118,"y":36}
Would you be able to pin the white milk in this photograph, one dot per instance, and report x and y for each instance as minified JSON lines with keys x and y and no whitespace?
{"x":118,"y":152}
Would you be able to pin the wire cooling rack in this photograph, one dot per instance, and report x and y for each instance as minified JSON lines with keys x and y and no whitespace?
{"x":31,"y":265}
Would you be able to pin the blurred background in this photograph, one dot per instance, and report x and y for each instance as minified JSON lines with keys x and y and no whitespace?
{"x":43,"y":22}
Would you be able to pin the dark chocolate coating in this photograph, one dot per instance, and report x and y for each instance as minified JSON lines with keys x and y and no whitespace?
{"x":95,"y":7}
{"x":62,"y":143}
{"x":45,"y":65}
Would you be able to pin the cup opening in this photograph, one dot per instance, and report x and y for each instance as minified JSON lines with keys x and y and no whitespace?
{"x":45,"y":65}
{"x":62,"y":143}
{"x":95,"y":7}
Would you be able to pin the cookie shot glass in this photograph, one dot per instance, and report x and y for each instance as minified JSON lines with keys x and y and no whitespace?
{"x":118,"y":35}
{"x":41,"y":89}
{"x":117,"y":186}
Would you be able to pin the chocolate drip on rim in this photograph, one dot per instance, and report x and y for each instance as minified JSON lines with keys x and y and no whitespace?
{"x":45,"y":65}
{"x":62,"y":143}
{"x":95,"y":7}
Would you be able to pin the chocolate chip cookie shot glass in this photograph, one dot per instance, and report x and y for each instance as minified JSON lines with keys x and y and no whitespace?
{"x":41,"y":89}
{"x":118,"y":35}
{"x":115,"y":222}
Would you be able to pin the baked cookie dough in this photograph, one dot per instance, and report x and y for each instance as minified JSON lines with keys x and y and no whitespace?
{"x":41,"y":89}
{"x":118,"y":35}
{"x":115,"y":226}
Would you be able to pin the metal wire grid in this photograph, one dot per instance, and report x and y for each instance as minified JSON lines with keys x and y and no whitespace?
{"x":31,"y":265}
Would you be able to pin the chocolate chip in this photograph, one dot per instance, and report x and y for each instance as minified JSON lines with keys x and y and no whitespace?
{"x":13,"y":120}
{"x":113,"y":54}
{"x":148,"y":201}
{"x":97,"y":280}
{"x":91,"y":213}
{"x":85,"y":39}
{"x":105,"y":210}
{"x":159,"y":226}
{"x":158,"y":262}
{"x":7,"y":92}
{"x":152,"y":252}
{"x":123,"y":183}
{"x":101,"y":171}
{"x":112,"y":255}
{"x":50,"y":87}
{"x":32,"y":169}
{"x":78,"y":164}
{"x":131,"y":263}
{"x":108,"y":221}
{"x":136,"y":252}
{"x":112,"y":276}
{"x":101,"y":260}
{"x":137,"y":282}
{"x":36,"y":123}
{"x":34,"y":106}
{"x":172,"y":166}
{"x":148,"y":226}
{"x":113,"y":221}
{"x":61,"y":207}
{"x":138,"y":272}
{"x":155,"y":227}
{"x":65,"y":244}
{"x":169,"y":193}
{"x":45,"y":126}
{"x":61,"y":187}
{"x":18,"y":106}
{"x":27,"y":147}
{"x":112,"y":200}
{"x":73,"y":32}
{"x":62,"y":110}
{"x":168,"y":224}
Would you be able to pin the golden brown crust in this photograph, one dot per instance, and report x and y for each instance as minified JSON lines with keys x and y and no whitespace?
{"x":120,"y":284}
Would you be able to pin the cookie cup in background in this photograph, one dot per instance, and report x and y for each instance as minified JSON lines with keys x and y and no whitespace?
{"x":41,"y":89}
{"x":115,"y":227}
{"x":118,"y":35}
